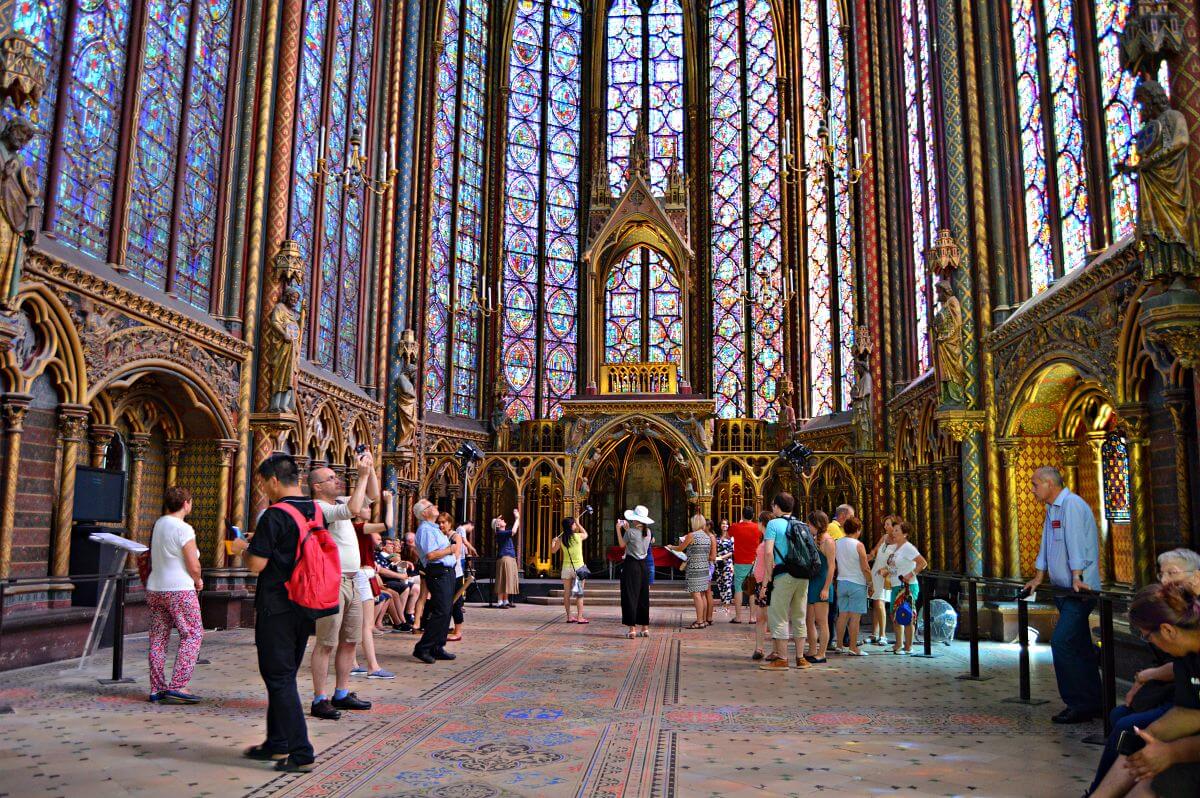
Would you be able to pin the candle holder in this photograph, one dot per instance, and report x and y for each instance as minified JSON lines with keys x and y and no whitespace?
{"x":353,"y":175}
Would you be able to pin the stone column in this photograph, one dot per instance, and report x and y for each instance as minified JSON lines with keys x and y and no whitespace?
{"x":12,"y":409}
{"x":138,"y":443}
{"x":901,"y":494}
{"x":1179,"y":400}
{"x":1137,"y":431}
{"x":303,"y":464}
{"x":72,"y":421}
{"x":925,"y":526}
{"x":1009,"y":534}
{"x":227,"y":450}
{"x":1068,"y":453}
{"x":174,"y":449}
{"x":101,"y":436}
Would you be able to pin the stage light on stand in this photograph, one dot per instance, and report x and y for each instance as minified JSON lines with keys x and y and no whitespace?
{"x":797,"y":455}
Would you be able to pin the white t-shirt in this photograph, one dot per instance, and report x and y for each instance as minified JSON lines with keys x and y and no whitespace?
{"x":849,"y":566}
{"x":337,"y":521}
{"x":168,"y":571}
{"x":903,"y":561}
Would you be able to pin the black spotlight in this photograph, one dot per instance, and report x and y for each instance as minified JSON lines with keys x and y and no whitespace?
{"x":469,"y":453}
{"x":797,"y":455}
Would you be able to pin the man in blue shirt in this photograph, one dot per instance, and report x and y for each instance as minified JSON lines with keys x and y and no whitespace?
{"x":1070,"y":553}
{"x":438,"y":555}
{"x":788,"y":595}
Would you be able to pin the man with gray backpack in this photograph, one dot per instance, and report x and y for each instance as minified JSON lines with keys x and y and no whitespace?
{"x":792,"y":552}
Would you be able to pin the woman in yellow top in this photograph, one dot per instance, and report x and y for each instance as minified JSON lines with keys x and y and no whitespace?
{"x":570,"y":541}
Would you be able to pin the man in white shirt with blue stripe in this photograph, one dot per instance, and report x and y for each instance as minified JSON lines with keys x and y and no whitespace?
{"x":1070,"y":553}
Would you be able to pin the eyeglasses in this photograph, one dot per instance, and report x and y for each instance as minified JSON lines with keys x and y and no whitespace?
{"x":327,"y":479}
{"x":1174,"y":573}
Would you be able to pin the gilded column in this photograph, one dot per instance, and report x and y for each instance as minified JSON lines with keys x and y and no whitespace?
{"x":303,"y":464}
{"x":1137,"y":432}
{"x":174,"y":449}
{"x":954,"y":475}
{"x":1068,"y":454}
{"x":900,"y":494}
{"x":941,"y":530}
{"x":137,"y":444}
{"x":925,"y":493}
{"x":226,"y":454}
{"x":1095,"y":441}
{"x":1008,"y":537}
{"x":101,"y":436}
{"x":12,"y":409}
{"x":1179,"y":400}
{"x":72,"y":421}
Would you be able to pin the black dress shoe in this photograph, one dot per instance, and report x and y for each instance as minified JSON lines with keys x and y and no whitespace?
{"x":290,"y":765}
{"x":324,"y":710}
{"x":351,"y":701}
{"x":444,"y":655}
{"x":261,"y":753}
{"x":1074,"y":716}
{"x":426,"y":658}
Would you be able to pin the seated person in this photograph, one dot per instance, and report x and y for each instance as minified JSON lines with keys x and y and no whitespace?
{"x":1153,"y":691}
{"x":1167,"y":764}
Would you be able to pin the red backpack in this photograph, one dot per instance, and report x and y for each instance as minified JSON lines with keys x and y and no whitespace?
{"x":316,"y":580}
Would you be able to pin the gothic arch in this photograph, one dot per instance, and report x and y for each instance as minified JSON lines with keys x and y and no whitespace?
{"x":602,"y":441}
{"x":56,"y":352}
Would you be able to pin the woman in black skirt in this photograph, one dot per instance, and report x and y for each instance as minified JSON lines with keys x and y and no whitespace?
{"x":634,"y":534}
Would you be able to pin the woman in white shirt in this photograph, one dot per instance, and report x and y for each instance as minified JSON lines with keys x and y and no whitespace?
{"x":901,"y":569}
{"x":879,"y":596}
{"x":171,"y":599}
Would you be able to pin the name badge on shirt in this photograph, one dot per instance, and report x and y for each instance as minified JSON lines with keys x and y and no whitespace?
{"x":1056,"y":524}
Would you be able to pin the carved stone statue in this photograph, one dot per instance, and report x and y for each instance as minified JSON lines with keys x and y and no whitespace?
{"x":406,"y":398}
{"x":1166,"y":223}
{"x":948,"y":364}
{"x":281,"y":350}
{"x":785,"y":433}
{"x":860,"y":394}
{"x":18,"y":205}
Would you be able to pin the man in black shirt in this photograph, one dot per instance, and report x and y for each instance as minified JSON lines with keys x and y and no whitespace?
{"x":281,"y":631}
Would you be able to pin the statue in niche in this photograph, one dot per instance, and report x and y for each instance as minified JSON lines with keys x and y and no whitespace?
{"x":18,"y":206}
{"x":281,"y":350}
{"x":1166,"y":225}
{"x":860,"y":394}
{"x":785,"y":432}
{"x":948,"y":366}
{"x":406,"y":392}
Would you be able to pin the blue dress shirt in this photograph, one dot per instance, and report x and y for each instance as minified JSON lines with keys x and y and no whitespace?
{"x":430,"y":538}
{"x":1070,"y":541}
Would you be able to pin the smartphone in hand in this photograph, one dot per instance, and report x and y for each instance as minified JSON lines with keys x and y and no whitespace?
{"x":1129,"y":743}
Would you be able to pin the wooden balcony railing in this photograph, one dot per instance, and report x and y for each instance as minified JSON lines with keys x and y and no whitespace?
{"x":655,"y":378}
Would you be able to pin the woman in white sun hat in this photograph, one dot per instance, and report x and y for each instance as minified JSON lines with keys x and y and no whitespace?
{"x":633,"y":532}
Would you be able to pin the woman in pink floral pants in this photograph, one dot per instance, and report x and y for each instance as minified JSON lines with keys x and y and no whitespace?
{"x":171,"y":596}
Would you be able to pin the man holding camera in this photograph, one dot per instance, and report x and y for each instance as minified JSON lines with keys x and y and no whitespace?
{"x":343,"y":630}
{"x":438,"y":554}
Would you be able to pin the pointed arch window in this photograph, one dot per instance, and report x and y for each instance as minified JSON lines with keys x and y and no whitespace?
{"x":328,"y":219}
{"x":917,"y":29}
{"x":541,"y":213}
{"x":645,"y":86}
{"x":643,"y":310}
{"x":178,"y":151}
{"x":1114,"y":470}
{"x":826,"y":207}
{"x":452,"y":318}
{"x":746,"y":251}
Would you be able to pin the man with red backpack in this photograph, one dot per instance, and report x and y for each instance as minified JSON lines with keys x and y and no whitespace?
{"x":282,"y":626}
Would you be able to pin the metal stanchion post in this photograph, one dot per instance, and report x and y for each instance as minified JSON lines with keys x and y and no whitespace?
{"x":1108,"y":662}
{"x":973,"y":631}
{"x":118,"y":654}
{"x":1023,"y":669}
{"x":927,"y":624}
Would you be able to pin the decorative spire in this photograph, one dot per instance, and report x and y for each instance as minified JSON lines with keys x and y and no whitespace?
{"x":639,"y":155}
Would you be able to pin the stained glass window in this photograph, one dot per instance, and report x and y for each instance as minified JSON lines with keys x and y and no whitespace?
{"x":1057,"y":213}
{"x":746,"y":221}
{"x":542,"y":209}
{"x":179,"y":132}
{"x":452,"y":319}
{"x":42,"y":22}
{"x":1114,"y":469}
{"x":828,"y":239}
{"x":643,"y":310}
{"x":916,"y":24}
{"x":645,"y":72}
{"x":328,"y":217}
{"x":94,"y":95}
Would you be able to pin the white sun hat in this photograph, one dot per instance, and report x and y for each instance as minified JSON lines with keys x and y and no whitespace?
{"x":639,"y":514}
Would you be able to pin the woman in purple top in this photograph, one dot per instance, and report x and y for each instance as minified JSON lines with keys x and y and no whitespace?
{"x":508,"y":578}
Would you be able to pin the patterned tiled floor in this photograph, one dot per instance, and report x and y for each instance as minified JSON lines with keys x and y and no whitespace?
{"x":533,"y":707}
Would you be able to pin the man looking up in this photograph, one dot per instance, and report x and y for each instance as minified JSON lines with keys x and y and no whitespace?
{"x":438,"y":554}
{"x":342,"y":630}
